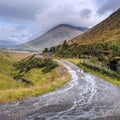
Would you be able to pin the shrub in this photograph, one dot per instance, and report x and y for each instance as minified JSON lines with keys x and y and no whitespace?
{"x":26,"y":65}
{"x":102,"y":70}
{"x":49,"y":67}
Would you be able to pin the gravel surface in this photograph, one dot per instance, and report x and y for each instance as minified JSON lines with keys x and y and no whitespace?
{"x":85,"y":97}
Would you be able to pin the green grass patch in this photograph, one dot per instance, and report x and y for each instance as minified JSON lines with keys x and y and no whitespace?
{"x":36,"y":76}
{"x":6,"y":68}
{"x":75,"y":61}
{"x":11,"y":90}
{"x":40,"y":81}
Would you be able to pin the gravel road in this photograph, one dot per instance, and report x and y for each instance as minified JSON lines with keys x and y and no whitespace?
{"x":85,"y":97}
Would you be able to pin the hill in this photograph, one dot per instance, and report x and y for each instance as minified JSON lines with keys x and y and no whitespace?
{"x":51,"y":38}
{"x":98,"y":48}
{"x":30,"y":76}
{"x":108,"y":30}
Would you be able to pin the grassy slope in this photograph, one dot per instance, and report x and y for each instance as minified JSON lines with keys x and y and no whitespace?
{"x":11,"y":90}
{"x":6,"y":68}
{"x":107,"y":78}
{"x":108,"y":30}
{"x":43,"y":83}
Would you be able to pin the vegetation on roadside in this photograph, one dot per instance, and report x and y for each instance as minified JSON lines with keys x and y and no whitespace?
{"x":6,"y":68}
{"x":43,"y":83}
{"x":99,"y":47}
{"x":26,"y":65}
{"x":104,"y":75}
{"x":105,"y":54}
{"x":103,"y":58}
{"x":31,"y":76}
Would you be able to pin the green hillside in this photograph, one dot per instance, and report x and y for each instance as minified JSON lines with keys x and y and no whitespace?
{"x":30,"y":76}
{"x":98,"y":48}
{"x":6,"y":69}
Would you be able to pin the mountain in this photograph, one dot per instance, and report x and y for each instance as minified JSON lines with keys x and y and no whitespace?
{"x":51,"y":38}
{"x":108,"y":30}
{"x":98,"y":49}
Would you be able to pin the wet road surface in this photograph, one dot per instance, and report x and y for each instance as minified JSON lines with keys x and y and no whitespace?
{"x":85,"y":97}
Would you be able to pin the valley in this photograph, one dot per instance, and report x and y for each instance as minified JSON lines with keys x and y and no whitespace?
{"x":68,"y":73}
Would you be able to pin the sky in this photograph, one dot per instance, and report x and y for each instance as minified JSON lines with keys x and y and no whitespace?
{"x":24,"y":20}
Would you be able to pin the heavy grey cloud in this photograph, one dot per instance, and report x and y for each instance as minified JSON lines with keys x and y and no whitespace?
{"x":67,"y":12}
{"x":109,"y":6}
{"x":85,"y":13}
{"x":20,"y":9}
{"x":27,"y":19}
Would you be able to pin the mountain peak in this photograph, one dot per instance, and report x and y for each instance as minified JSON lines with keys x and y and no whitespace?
{"x":53,"y":37}
{"x":71,"y":26}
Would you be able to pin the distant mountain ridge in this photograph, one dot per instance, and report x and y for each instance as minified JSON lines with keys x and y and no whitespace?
{"x":107,"y":30}
{"x":53,"y":37}
{"x":71,"y":26}
{"x":7,"y":43}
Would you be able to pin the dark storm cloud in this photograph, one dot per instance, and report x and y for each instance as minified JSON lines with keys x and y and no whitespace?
{"x":109,"y":6}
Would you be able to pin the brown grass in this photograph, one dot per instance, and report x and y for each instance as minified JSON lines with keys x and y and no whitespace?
{"x":107,"y":30}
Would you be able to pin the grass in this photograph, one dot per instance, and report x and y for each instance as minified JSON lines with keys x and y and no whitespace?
{"x":114,"y":81}
{"x":75,"y":61}
{"x":6,"y":68}
{"x":108,"y":30}
{"x":37,"y":77}
{"x":12,"y":90}
{"x":42,"y":83}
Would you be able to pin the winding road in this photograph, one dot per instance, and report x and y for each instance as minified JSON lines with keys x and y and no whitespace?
{"x":85,"y":97}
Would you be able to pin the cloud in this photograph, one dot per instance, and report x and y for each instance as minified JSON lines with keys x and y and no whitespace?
{"x":109,"y":6}
{"x":27,"y":19}
{"x":67,"y":12}
{"x":86,"y":13}
{"x":14,"y":33}
{"x":20,"y":9}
